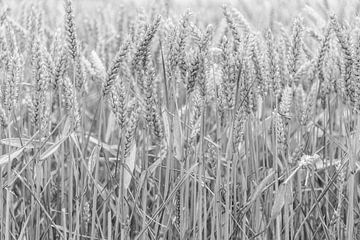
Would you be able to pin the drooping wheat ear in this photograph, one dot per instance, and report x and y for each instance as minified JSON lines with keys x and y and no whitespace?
{"x":348,"y":58}
{"x":286,"y":101}
{"x":76,"y":115}
{"x":255,"y":57}
{"x":271,"y":57}
{"x":229,"y":71}
{"x":296,"y":46}
{"x":40,"y":76}
{"x":309,"y":105}
{"x":142,"y":53}
{"x":279,"y":131}
{"x":241,"y":21}
{"x":329,"y":83}
{"x":97,"y":65}
{"x":203,"y":53}
{"x":130,"y":128}
{"x":197,"y":101}
{"x":324,"y":49}
{"x":70,"y":102}
{"x":221,"y":103}
{"x":79,"y":74}
{"x":68,"y":94}
{"x":3,"y":118}
{"x":356,"y":72}
{"x":325,"y":86}
{"x":339,"y":67}
{"x":158,"y":123}
{"x":10,"y":88}
{"x":170,"y":43}
{"x":117,"y":102}
{"x":195,"y":66}
{"x":250,"y":93}
{"x":239,"y":126}
{"x":151,"y":106}
{"x":149,"y":97}
{"x":232,"y":25}
{"x":283,"y":68}
{"x":181,"y":43}
{"x":206,"y":38}
{"x":299,"y":101}
{"x":60,"y":67}
{"x":200,"y":76}
{"x":49,"y":63}
{"x":70,"y":30}
{"x":115,"y":68}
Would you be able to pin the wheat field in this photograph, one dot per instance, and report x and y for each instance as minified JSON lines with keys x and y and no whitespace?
{"x":179,"y":120}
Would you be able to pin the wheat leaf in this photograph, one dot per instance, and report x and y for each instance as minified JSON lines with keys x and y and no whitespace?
{"x":10,"y":157}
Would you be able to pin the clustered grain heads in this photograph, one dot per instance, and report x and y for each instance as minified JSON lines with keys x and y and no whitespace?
{"x":297,"y":46}
{"x":142,"y":52}
{"x":131,"y":124}
{"x":232,"y":25}
{"x":115,"y":68}
{"x":60,"y":67}
{"x":3,"y":118}
{"x":286,"y":101}
{"x":70,"y":29}
{"x":117,"y":102}
{"x":10,"y":88}
{"x":152,"y":113}
{"x":279,"y":129}
{"x":38,"y":103}
{"x":126,"y":123}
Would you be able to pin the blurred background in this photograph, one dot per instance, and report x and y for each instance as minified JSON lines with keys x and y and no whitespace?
{"x":260,"y":13}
